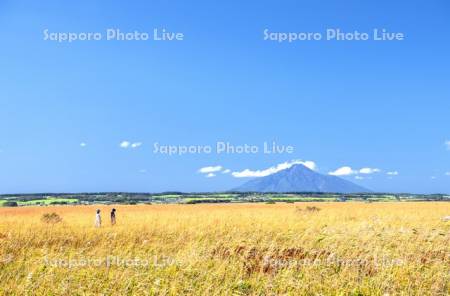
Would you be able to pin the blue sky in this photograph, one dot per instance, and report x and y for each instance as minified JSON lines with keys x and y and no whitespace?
{"x":360,"y":105}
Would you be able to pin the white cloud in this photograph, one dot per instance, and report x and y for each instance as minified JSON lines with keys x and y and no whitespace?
{"x":433,"y":177}
{"x":359,"y":178}
{"x":347,"y":171}
{"x":210,"y":169}
{"x":227,"y":171}
{"x":447,"y":173}
{"x":343,"y":171}
{"x":143,"y":171}
{"x":447,"y":144}
{"x":128,"y":144}
{"x":369,"y":171}
{"x":393,"y":173}
{"x":83,"y":144}
{"x":124,"y":144}
{"x":272,"y":170}
{"x":210,"y":175}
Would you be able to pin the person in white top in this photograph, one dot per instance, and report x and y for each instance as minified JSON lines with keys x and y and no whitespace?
{"x":98,"y":219}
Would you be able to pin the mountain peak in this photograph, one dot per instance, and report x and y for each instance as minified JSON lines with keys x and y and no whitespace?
{"x":299,"y":178}
{"x":299,"y":167}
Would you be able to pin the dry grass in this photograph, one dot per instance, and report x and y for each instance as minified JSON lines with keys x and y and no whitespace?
{"x":257,"y":249}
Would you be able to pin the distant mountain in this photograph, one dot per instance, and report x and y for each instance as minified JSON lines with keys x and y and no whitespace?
{"x":299,"y":178}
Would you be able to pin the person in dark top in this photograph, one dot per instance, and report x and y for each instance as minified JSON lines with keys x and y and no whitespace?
{"x":113,"y":217}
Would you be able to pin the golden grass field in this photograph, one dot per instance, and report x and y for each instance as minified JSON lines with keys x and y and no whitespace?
{"x":231,"y":249}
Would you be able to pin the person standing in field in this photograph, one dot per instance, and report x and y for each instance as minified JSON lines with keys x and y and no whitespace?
{"x":113,"y":217}
{"x":98,"y":219}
